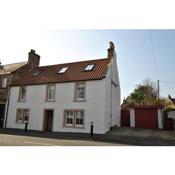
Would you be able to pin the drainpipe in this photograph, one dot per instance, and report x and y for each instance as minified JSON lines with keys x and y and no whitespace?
{"x":7,"y":107}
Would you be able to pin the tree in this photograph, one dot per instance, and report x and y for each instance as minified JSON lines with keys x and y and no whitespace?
{"x":145,"y":94}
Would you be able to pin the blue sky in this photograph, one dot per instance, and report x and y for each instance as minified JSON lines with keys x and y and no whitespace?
{"x":137,"y":59}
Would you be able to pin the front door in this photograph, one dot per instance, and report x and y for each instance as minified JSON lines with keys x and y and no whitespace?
{"x":2,"y":113}
{"x":48,"y":120}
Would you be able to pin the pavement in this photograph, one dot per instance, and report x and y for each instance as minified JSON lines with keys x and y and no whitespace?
{"x":117,"y":136}
{"x":142,"y":137}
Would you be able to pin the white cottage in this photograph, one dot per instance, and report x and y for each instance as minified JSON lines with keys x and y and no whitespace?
{"x":67,"y":97}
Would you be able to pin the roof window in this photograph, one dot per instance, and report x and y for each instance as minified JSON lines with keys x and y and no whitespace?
{"x":63,"y":70}
{"x":36,"y":73}
{"x":89,"y":67}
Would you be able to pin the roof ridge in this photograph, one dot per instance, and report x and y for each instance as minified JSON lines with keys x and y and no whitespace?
{"x":72,"y":62}
{"x":15,"y":63}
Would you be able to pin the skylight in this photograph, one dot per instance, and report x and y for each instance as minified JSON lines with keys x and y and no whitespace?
{"x":89,"y":67}
{"x":36,"y":73}
{"x":63,"y":70}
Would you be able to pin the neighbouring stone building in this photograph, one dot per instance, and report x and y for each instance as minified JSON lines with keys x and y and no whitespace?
{"x":10,"y":73}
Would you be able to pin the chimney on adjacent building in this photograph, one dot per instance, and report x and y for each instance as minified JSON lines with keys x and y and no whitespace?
{"x":111,"y":50}
{"x":1,"y":66}
{"x":33,"y":58}
{"x":169,"y":96}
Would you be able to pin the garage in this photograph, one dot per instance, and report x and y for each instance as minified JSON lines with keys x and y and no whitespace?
{"x":125,"y":118}
{"x":146,"y":118}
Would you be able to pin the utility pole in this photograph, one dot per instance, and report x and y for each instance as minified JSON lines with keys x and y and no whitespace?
{"x":158,"y":90}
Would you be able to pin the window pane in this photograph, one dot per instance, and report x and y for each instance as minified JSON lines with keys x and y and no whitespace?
{"x":69,"y":121}
{"x":26,"y":115}
{"x":69,"y":118}
{"x":51,"y":92}
{"x":23,"y":93}
{"x":20,"y":115}
{"x":89,"y":67}
{"x":63,"y":70}
{"x":4,"y":82}
{"x":80,"y":91}
{"x":79,"y":118}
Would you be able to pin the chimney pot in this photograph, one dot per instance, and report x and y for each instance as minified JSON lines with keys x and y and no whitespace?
{"x":110,"y":50}
{"x":32,"y":51}
{"x":111,"y":45}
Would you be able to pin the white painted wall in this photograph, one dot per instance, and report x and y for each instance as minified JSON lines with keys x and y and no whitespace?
{"x":94,"y":106}
{"x":112,"y":114}
{"x":132,"y":117}
{"x":97,"y":106}
{"x":160,"y":119}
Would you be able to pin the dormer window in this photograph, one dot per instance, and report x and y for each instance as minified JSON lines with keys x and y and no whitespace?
{"x":63,"y":70}
{"x":89,"y":67}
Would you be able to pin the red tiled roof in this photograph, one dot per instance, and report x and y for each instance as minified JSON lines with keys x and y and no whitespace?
{"x":75,"y":72}
{"x":147,"y":106}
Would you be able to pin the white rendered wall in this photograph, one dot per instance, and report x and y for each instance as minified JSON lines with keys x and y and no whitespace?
{"x":113,"y":107}
{"x":160,"y":119}
{"x":132,"y":117}
{"x":94,"y":107}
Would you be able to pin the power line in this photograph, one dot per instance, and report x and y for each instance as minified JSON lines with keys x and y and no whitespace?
{"x":170,"y":82}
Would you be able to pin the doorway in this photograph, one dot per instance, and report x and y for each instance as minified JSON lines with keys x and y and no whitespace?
{"x":48,"y":120}
{"x":2,"y":112}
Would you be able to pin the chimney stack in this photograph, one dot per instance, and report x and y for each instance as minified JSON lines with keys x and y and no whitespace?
{"x":111,"y":50}
{"x":1,"y":66}
{"x":33,"y":58}
{"x":169,"y":96}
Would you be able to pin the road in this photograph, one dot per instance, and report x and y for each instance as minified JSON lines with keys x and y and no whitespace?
{"x":14,"y":140}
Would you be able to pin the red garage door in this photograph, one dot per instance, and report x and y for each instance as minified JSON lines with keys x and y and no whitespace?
{"x":146,"y":118}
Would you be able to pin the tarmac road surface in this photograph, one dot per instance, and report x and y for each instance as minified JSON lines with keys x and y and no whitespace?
{"x":15,"y":140}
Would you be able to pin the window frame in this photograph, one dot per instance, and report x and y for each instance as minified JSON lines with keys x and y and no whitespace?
{"x":2,"y":85}
{"x":63,"y":70}
{"x":37,"y":73}
{"x":74,"y":125}
{"x":22,"y":110}
{"x":91,"y":67}
{"x":76,"y":117}
{"x":20,"y":94}
{"x":47,"y":93}
{"x":69,"y":125}
{"x":76,"y":99}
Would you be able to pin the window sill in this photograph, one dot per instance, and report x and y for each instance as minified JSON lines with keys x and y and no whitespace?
{"x":21,"y":100}
{"x":50,"y":101}
{"x":23,"y":122}
{"x":76,"y":100}
{"x":20,"y":122}
{"x":74,"y":127}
